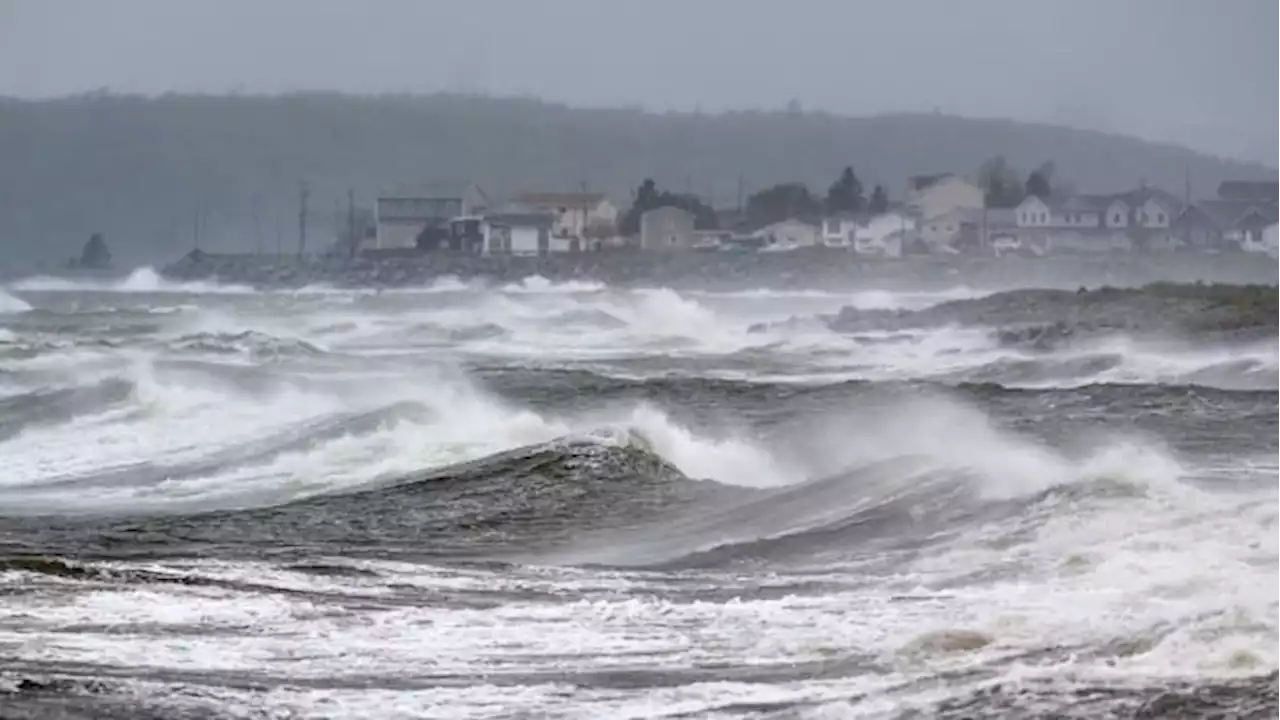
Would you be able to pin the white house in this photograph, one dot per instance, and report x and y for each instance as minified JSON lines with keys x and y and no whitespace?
{"x":577,"y":214}
{"x":885,"y":234}
{"x":511,"y":233}
{"x":1099,"y":222}
{"x":839,"y":230}
{"x":1265,"y":244}
{"x":942,"y":231}
{"x":791,"y":233}
{"x":929,"y":196}
{"x":401,"y":217}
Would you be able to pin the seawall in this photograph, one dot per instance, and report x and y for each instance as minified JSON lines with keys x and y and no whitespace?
{"x":813,"y":268}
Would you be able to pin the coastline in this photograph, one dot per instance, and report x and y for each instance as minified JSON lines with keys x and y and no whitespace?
{"x":818,"y":268}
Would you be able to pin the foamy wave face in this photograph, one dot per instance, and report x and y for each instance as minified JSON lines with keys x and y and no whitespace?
{"x":821,"y":543}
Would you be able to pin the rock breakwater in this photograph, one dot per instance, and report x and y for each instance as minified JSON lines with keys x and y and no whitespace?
{"x":819,"y":268}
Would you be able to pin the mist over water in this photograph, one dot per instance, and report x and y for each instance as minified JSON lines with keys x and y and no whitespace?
{"x":570,"y":498}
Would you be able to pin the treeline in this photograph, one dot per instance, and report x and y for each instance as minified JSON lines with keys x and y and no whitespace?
{"x":1004,"y":185}
{"x":152,"y":175}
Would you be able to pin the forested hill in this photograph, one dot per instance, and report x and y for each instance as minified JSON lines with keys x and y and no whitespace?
{"x":147,"y":172}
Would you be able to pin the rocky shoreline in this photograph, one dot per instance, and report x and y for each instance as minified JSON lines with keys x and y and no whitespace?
{"x":818,"y":268}
{"x":1051,"y":319}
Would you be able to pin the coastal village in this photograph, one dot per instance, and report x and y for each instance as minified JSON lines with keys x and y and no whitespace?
{"x":939,"y":214}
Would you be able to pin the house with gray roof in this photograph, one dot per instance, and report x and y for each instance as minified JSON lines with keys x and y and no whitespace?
{"x":1141,"y":217}
{"x":1249,"y":191}
{"x":1224,"y":224}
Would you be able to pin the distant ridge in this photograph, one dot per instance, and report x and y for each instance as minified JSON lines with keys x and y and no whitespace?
{"x":147,"y":172}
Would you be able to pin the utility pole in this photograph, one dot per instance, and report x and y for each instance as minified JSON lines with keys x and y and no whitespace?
{"x":741,"y":188}
{"x":257,"y":226}
{"x":279,"y":235}
{"x":195,"y":230}
{"x":352,"y":240}
{"x":303,"y":195}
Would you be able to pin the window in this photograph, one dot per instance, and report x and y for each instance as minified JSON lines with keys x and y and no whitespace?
{"x":1160,"y":218}
{"x":1115,"y":219}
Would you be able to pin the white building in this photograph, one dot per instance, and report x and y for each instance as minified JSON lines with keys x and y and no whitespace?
{"x":1141,"y":218}
{"x":789,"y":234}
{"x":1145,"y":209}
{"x":517,"y":234}
{"x":401,"y":218}
{"x":839,"y":230}
{"x":1266,"y":244}
{"x":885,"y":235}
{"x":578,"y":215}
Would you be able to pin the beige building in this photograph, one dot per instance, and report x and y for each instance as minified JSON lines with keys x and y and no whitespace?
{"x":929,"y":196}
{"x":578,"y":215}
{"x":667,"y":228}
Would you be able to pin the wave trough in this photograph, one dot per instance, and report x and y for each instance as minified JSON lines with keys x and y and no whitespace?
{"x":572,"y":498}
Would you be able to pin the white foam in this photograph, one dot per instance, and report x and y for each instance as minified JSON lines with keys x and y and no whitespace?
{"x":141,"y":280}
{"x":540,"y":284}
{"x":11,"y":304}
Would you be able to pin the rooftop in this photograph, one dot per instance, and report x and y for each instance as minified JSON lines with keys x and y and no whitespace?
{"x":1249,"y":190}
{"x":576,"y":200}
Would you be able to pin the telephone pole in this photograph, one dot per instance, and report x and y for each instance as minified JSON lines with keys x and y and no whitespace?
{"x":257,"y":226}
{"x":352,"y":240}
{"x":304,"y":195}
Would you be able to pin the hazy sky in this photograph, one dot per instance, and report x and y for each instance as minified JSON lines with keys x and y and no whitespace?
{"x":1197,"y":72}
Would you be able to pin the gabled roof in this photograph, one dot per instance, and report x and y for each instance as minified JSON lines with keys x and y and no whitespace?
{"x":665,"y":210}
{"x":1136,"y":198}
{"x":433,"y":191}
{"x":924,"y":182}
{"x":1249,"y":190}
{"x":575,"y":200}
{"x":1224,"y":214}
{"x":521,"y":219}
{"x":1086,"y":203}
{"x":1099,"y":203}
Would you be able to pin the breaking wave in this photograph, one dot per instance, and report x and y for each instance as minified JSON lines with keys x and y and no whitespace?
{"x":141,"y":280}
{"x":11,"y":304}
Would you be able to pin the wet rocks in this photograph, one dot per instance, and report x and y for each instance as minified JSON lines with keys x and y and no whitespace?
{"x":1037,"y":337}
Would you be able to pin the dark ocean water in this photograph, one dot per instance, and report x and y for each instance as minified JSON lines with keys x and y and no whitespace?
{"x":550,"y":500}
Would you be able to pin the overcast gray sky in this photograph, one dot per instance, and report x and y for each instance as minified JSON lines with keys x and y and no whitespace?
{"x":1202,"y":73}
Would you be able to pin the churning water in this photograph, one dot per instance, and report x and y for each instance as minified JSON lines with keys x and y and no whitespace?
{"x":571,"y":500}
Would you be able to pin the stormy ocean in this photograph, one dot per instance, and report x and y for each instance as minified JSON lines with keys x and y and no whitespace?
{"x":546,"y":499}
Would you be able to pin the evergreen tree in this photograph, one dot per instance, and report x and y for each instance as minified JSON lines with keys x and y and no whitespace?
{"x":649,"y":197}
{"x":1038,"y":181}
{"x":879,"y":200}
{"x":845,"y":194}
{"x":1000,"y":182}
{"x":782,"y":202}
{"x":96,"y":254}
